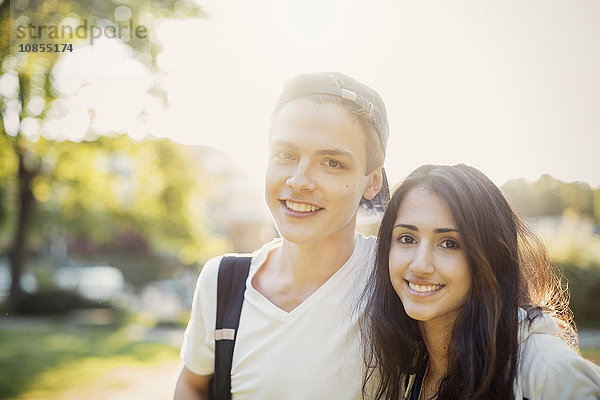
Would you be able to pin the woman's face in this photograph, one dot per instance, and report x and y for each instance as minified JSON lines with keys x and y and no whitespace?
{"x":428,"y":264}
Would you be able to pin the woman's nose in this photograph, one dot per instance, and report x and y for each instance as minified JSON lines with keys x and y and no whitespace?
{"x":422,"y":260}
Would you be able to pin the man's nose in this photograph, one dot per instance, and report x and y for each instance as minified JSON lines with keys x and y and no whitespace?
{"x":301,"y":179}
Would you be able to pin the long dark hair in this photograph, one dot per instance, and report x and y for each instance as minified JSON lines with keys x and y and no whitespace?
{"x":509,"y":269}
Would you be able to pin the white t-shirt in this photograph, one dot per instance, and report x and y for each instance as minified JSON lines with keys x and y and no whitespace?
{"x":312,"y":352}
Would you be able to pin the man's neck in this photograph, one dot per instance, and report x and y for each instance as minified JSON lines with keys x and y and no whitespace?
{"x":294,"y":271}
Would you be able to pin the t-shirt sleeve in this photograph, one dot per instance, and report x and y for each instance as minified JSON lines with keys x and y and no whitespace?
{"x":198,"y":349}
{"x":550,"y":369}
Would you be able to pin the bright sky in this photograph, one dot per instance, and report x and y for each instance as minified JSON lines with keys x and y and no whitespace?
{"x":511,"y":87}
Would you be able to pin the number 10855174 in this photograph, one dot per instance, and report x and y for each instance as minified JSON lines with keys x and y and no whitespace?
{"x":45,"y":48}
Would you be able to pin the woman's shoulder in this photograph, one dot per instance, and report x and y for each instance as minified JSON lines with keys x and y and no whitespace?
{"x":545,"y":349}
{"x":549,"y":368}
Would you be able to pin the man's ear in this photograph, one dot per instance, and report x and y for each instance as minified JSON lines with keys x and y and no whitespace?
{"x":374,"y":186}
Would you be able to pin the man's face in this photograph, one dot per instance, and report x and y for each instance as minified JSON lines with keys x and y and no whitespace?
{"x":316,"y":172}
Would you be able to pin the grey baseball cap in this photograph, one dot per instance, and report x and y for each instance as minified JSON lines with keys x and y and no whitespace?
{"x":361,"y":100}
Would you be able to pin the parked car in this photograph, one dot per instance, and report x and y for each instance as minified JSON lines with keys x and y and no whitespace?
{"x":98,"y":282}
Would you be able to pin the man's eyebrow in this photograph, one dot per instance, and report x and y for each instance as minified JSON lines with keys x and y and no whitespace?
{"x":334,"y":152}
{"x":283,"y":143}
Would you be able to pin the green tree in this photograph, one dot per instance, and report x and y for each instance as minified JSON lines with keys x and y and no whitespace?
{"x":116,"y":193}
{"x":578,"y":197}
{"x":550,"y":196}
{"x":28,"y":92}
{"x":596,"y":205}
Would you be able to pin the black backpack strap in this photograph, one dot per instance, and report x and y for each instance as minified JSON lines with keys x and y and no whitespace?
{"x":231,"y":285}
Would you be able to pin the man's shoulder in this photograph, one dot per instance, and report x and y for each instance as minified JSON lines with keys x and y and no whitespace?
{"x":369,"y":240}
{"x":211,"y":267}
{"x":365,"y":245}
{"x":362,"y":259}
{"x":210,"y":270}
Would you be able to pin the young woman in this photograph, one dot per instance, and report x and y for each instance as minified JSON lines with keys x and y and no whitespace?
{"x":465,"y":304}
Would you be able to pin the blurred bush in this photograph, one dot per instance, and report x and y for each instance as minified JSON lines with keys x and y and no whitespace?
{"x":56,"y":302}
{"x":584,"y":286}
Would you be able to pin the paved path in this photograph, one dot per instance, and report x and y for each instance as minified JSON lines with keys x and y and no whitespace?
{"x":129,"y":383}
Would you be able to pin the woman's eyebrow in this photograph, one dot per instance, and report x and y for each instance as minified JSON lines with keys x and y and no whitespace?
{"x":411,"y":227}
{"x":445,"y":230}
{"x":414,"y":228}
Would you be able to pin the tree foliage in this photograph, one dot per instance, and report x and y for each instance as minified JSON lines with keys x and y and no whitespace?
{"x":550,"y":196}
{"x":78,"y":187}
{"x":114,"y":189}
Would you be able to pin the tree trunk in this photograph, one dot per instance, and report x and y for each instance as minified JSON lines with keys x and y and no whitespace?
{"x":26,"y":203}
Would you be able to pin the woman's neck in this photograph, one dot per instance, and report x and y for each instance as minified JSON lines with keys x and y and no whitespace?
{"x":436,"y":335}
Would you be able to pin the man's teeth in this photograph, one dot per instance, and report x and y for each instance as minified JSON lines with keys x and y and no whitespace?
{"x":424,"y":288}
{"x":302,"y":207}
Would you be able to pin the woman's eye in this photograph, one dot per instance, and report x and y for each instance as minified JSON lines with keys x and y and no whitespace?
{"x":333,"y":164}
{"x":406,"y":239}
{"x":450,"y":244}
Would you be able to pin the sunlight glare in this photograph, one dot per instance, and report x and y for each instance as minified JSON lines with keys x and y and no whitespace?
{"x":104,"y":89}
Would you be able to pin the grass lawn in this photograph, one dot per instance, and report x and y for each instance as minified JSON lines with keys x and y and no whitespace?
{"x":54,"y":361}
{"x":68,"y":362}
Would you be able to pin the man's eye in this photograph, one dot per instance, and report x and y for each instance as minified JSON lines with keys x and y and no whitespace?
{"x":333,"y":164}
{"x":450,"y":244}
{"x":285,"y":155}
{"x":406,"y":239}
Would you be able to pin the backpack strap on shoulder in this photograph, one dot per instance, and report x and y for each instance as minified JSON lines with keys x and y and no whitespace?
{"x":231,"y":285}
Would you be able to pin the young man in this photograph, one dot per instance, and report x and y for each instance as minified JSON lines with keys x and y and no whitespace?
{"x":298,"y":333}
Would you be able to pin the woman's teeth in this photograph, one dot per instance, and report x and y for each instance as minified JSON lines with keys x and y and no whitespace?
{"x":424,"y":288}
{"x":302,"y":207}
